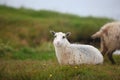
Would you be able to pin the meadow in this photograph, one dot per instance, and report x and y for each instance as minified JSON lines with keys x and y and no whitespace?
{"x":27,"y":52}
{"x":30,"y":64}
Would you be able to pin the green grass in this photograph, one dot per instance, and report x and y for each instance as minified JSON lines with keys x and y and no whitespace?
{"x":43,"y":52}
{"x":40,"y":63}
{"x":50,"y":70}
{"x":26,"y":27}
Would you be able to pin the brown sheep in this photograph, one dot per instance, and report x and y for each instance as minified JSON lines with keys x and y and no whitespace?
{"x":109,"y":35}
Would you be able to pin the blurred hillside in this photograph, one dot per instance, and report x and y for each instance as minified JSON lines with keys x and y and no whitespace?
{"x":26,"y":27}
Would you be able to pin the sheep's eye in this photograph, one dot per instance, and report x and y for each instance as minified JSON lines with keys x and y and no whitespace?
{"x":63,"y":37}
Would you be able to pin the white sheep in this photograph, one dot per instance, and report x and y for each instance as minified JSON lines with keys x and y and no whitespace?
{"x":74,"y":54}
{"x":110,"y":39}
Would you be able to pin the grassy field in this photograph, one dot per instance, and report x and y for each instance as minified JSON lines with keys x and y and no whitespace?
{"x":41,"y":64}
{"x":46,"y":67}
{"x":26,"y":27}
{"x":27,"y":52}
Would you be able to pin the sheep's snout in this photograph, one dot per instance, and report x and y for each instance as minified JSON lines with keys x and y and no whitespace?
{"x":57,"y":43}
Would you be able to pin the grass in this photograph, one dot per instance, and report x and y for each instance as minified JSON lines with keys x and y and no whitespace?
{"x":50,"y":70}
{"x":26,"y":27}
{"x":40,"y":63}
{"x":43,"y":52}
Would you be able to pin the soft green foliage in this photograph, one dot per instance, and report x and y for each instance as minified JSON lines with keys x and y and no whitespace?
{"x":40,"y":63}
{"x":31,"y":28}
{"x":51,"y":70}
{"x":43,"y":52}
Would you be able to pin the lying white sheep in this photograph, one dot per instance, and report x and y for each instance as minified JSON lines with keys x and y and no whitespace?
{"x":74,"y":54}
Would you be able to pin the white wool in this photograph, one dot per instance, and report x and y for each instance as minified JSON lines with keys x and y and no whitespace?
{"x":75,"y":54}
{"x":109,"y":35}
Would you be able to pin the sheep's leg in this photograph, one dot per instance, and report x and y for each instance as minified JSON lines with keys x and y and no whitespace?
{"x":109,"y":54}
{"x":103,"y":51}
{"x":103,"y":47}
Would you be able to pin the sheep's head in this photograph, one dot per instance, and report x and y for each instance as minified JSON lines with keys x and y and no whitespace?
{"x":60,"y":39}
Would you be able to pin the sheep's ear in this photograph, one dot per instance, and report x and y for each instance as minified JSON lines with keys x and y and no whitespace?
{"x":68,"y":34}
{"x":52,"y":32}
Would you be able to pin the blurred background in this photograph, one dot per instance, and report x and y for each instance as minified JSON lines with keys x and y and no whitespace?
{"x":107,"y":8}
{"x":25,"y":24}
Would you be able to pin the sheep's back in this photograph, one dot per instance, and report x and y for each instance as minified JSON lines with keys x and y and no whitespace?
{"x":111,"y":35}
{"x":87,"y":53}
